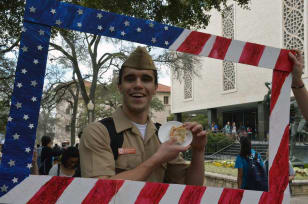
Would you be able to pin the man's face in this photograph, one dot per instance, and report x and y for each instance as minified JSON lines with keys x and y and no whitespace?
{"x":137,"y":88}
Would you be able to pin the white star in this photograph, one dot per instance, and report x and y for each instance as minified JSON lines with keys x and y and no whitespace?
{"x":31,"y":126}
{"x":58,"y":22}
{"x":19,"y":85}
{"x":9,"y":119}
{"x":27,"y":149}
{"x":25,"y":49}
{"x":111,"y":29}
{"x":41,"y":32}
{"x":23,"y":29}
{"x":53,"y":11}
{"x":29,"y":166}
{"x":32,"y":9}
{"x":16,"y":136}
{"x":4,"y":188}
{"x":166,"y":28}
{"x":35,"y":61}
{"x":139,"y":30}
{"x":166,"y":43}
{"x":79,"y":24}
{"x":40,"y":47}
{"x":153,"y":40}
{"x":99,"y":27}
{"x":11,"y":163}
{"x":99,"y":15}
{"x":33,"y":83}
{"x":126,"y":23}
{"x":18,"y":105}
{"x":151,"y":25}
{"x":123,"y":33}
{"x":15,"y":180}
{"x":24,"y":71}
{"x":33,"y":99}
{"x":26,"y":117}
{"x":80,"y":12}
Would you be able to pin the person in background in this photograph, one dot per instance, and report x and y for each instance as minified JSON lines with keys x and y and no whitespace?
{"x":34,"y":169}
{"x":241,"y":162}
{"x":47,"y":155}
{"x":298,"y":86}
{"x":233,"y":130}
{"x":227,"y":128}
{"x":67,"y":166}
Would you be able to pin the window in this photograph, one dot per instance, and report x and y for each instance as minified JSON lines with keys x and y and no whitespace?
{"x":228,"y":32}
{"x":67,"y":128}
{"x":68,"y":110}
{"x":293,"y":24}
{"x":188,"y":84}
{"x":166,"y":100}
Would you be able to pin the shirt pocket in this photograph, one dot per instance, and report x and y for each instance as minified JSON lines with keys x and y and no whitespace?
{"x":128,"y":161}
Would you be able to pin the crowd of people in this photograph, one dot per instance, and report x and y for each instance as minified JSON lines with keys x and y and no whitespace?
{"x":126,"y":145}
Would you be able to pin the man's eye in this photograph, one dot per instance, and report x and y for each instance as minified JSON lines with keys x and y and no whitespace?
{"x":130,"y":78}
{"x":147,"y":78}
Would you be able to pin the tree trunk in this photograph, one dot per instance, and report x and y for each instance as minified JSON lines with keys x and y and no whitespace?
{"x":74,"y":116}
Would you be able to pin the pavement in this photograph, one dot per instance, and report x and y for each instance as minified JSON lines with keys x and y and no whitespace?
{"x":299,"y":200}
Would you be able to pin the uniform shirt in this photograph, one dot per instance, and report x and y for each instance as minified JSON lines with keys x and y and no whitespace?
{"x":96,"y":157}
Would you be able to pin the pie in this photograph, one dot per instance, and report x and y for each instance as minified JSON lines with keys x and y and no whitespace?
{"x":179,"y":133}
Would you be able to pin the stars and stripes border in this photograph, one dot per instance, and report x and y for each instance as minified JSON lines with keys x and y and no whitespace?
{"x":41,"y":16}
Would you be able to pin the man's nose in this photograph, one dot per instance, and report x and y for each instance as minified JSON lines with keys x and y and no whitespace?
{"x":138,"y":83}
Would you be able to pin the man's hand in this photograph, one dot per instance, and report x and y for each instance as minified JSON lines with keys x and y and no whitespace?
{"x":169,"y":151}
{"x":199,"y":136}
{"x":298,"y":67}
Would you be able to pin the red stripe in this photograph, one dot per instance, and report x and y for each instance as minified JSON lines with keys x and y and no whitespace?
{"x":194,"y":43}
{"x":279,"y":172}
{"x":220,"y":48}
{"x":152,"y":193}
{"x":192,"y":194}
{"x":233,"y":196}
{"x":51,"y":191}
{"x":103,"y":191}
{"x":277,"y":83}
{"x":251,"y":54}
{"x":283,"y":62}
{"x":271,"y":198}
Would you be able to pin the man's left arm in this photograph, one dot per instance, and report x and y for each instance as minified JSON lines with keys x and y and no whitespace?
{"x":195,"y":172}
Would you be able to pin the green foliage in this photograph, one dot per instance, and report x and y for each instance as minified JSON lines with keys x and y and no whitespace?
{"x":157,"y":105}
{"x":216,"y":141}
{"x":187,"y":117}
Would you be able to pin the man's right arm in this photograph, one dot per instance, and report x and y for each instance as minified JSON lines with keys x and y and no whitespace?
{"x":97,"y":159}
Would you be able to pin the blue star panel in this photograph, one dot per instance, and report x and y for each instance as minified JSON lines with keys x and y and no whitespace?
{"x":40,"y":16}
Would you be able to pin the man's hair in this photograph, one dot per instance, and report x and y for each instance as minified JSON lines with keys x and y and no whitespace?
{"x":45,"y":140}
{"x":245,"y":147}
{"x":121,"y":73}
{"x":70,"y":152}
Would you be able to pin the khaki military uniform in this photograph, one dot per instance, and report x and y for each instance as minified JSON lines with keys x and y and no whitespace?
{"x":96,"y":157}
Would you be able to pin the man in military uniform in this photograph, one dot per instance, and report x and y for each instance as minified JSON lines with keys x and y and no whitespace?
{"x":141,"y":157}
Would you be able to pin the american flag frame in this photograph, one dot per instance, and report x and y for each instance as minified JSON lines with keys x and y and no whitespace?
{"x":16,"y":186}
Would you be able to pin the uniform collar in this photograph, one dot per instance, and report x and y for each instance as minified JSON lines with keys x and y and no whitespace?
{"x":122,"y":122}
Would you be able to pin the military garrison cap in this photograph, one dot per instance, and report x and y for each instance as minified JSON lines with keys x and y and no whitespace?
{"x":140,"y":59}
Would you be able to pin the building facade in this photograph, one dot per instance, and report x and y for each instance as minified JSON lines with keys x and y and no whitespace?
{"x":235,"y":92}
{"x":163,"y":94}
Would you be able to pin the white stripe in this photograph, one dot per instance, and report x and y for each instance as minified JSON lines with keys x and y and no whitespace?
{"x":279,"y":119}
{"x":178,"y":42}
{"x":173,"y":194}
{"x":287,"y":196}
{"x":24,"y":191}
{"x":211,"y":195}
{"x":251,"y":197}
{"x":77,"y":190}
{"x":128,"y":193}
{"x":269,"y":57}
{"x":235,"y":51}
{"x":208,"y":46}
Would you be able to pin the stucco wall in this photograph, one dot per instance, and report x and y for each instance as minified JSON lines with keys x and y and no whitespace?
{"x":261,"y":24}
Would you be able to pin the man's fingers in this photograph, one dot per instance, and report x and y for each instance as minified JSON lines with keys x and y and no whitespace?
{"x":201,"y":134}
{"x":171,"y":141}
{"x":197,"y":128}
